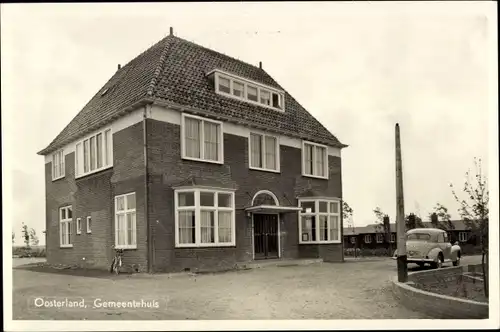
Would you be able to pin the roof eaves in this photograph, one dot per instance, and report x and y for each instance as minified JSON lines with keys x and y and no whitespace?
{"x":104,"y":122}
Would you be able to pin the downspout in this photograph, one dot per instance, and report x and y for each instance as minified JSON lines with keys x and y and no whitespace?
{"x":147,"y":109}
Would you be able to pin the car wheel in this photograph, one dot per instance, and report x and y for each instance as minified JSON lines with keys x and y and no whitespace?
{"x":440,"y":261}
{"x":457,"y":261}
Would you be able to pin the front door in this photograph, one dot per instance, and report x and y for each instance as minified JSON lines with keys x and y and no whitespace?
{"x":265,"y":236}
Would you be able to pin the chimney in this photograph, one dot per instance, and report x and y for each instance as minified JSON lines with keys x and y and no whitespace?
{"x":171,"y":31}
{"x":260,"y":64}
{"x":119,"y":66}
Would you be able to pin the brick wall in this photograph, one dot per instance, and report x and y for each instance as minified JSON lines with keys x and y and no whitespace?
{"x":93,"y":195}
{"x":166,"y":169}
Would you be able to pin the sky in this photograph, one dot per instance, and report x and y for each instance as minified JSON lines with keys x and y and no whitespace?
{"x":358,"y":68}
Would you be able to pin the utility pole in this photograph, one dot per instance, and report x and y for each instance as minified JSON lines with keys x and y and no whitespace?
{"x":400,"y":213}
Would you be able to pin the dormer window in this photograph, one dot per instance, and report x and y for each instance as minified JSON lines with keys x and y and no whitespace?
{"x":252,"y":93}
{"x":238,"y":89}
{"x":224,"y":85}
{"x":265,"y":97}
{"x":247,"y":90}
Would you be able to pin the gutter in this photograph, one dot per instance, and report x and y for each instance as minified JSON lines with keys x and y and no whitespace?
{"x":150,"y":254}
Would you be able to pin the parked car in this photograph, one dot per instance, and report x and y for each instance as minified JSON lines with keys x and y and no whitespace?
{"x":430,"y":246}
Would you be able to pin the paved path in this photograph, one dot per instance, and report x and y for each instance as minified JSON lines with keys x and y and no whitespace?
{"x":351,"y":290}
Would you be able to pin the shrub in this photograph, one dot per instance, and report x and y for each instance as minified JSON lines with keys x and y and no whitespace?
{"x":23,"y":252}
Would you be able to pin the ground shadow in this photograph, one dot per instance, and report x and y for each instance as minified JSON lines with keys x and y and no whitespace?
{"x":77,"y":272}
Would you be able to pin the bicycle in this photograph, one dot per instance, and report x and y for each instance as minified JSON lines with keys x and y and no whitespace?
{"x":117,"y":262}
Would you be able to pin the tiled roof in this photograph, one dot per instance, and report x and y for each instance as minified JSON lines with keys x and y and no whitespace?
{"x":459,"y":225}
{"x":173,"y":72}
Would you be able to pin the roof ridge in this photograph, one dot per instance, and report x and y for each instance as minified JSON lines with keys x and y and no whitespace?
{"x":159,"y":66}
{"x":218,"y":52}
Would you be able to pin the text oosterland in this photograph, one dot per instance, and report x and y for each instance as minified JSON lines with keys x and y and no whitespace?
{"x":95,"y":303}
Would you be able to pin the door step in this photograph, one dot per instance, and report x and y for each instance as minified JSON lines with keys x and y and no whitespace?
{"x":277,"y":262}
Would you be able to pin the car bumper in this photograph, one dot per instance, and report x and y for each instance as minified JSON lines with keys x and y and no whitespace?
{"x":416,"y":260}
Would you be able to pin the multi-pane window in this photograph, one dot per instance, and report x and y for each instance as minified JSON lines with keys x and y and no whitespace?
{"x":58,"y":170}
{"x":368,"y":238}
{"x":393,"y":237}
{"x":202,"y":139}
{"x":250,"y":91}
{"x":224,"y":84}
{"x":94,"y":153}
{"x":315,"y":160}
{"x":264,"y":152}
{"x":353,"y":239}
{"x":204,"y":218}
{"x":65,"y":219}
{"x":125,"y":221}
{"x":238,"y":89}
{"x":319,"y":221}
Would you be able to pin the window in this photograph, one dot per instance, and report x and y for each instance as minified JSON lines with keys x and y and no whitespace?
{"x":380,"y":238}
{"x":319,"y":221}
{"x":277,"y":101}
{"x":78,"y":226}
{"x":353,"y":239}
{"x":419,"y":237}
{"x":393,"y":237}
{"x":204,"y":218}
{"x":65,"y":218}
{"x":202,"y":139}
{"x":58,"y":165}
{"x":462,"y":236}
{"x":89,"y":224}
{"x":238,"y":89}
{"x":315,"y":160}
{"x":125,"y":222}
{"x":94,"y":153}
{"x":265,"y":97}
{"x":368,"y":238}
{"x":264,"y":152}
{"x":252,"y":93}
{"x":224,"y":84}
{"x":247,"y":90}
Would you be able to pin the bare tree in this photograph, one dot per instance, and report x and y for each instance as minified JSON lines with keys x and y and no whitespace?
{"x":26,"y":235}
{"x":474,"y":211}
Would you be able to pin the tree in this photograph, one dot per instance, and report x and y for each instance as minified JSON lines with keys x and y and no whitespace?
{"x":380,"y":219}
{"x":383,"y":226}
{"x":33,"y":237}
{"x":346,"y":213}
{"x":443,"y":218}
{"x":474,"y":211}
{"x":13,"y":237}
{"x":413,"y":221}
{"x":26,"y":235}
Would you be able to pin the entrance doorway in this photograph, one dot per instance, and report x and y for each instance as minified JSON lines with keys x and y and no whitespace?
{"x":265,"y":236}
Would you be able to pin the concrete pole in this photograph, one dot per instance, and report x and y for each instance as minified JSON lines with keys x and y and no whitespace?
{"x":400,"y":213}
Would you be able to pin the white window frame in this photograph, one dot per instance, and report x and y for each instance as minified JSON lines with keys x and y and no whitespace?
{"x":246,"y":82}
{"x":263,"y":152}
{"x":368,"y":238}
{"x":393,"y":237}
{"x":66,"y":223}
{"x":202,"y":145}
{"x":197,"y":212}
{"x":353,"y":240}
{"x":89,"y":222}
{"x":125,"y":212}
{"x":317,"y":214}
{"x":379,"y":238}
{"x":325,"y":165}
{"x":462,"y":237}
{"x":58,"y":168}
{"x":78,"y":226}
{"x":105,"y":146}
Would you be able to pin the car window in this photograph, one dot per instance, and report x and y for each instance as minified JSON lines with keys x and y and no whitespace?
{"x":418,"y":237}
{"x":445,"y":237}
{"x":441,"y":238}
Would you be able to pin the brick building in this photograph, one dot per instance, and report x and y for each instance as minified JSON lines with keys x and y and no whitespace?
{"x":189,"y":159}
